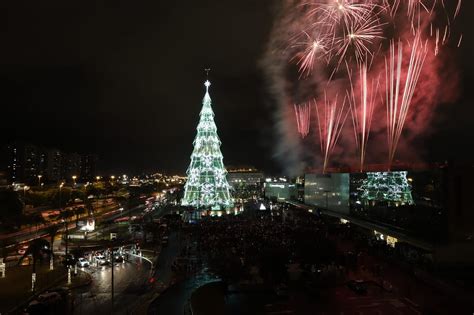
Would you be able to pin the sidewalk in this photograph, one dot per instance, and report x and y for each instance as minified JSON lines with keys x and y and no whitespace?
{"x":15,"y":288}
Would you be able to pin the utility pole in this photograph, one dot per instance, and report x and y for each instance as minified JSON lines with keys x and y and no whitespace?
{"x":327,"y":199}
{"x":67,"y":236}
{"x":112,"y":261}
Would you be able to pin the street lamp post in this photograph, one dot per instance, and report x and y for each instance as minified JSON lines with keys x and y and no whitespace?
{"x":85,"y":197}
{"x":74,"y":177}
{"x":327,"y":199}
{"x":67,"y":236}
{"x":60,"y":189}
{"x":39,"y":180}
{"x":112,"y":262}
{"x":67,"y":260}
{"x":97,"y":194}
{"x":65,"y":218}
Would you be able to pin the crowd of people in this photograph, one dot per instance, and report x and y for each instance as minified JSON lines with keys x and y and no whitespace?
{"x":266,"y":248}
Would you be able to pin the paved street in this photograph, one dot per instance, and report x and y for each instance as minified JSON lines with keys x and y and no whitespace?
{"x":130,"y":281}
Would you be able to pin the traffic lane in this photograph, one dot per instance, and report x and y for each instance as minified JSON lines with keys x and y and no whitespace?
{"x":130,"y":281}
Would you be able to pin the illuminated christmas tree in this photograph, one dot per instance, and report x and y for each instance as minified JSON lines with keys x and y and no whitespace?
{"x":207,"y":185}
{"x":392,"y":187}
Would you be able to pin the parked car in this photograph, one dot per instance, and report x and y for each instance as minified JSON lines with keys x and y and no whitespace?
{"x":69,"y":260}
{"x":281,"y":291}
{"x":118,"y":258}
{"x":82,"y":262}
{"x":358,"y":286}
{"x":164,"y":241}
{"x":36,"y":307}
{"x":49,"y":298}
{"x":101,"y":260}
{"x":22,"y":249}
{"x":63,"y":291}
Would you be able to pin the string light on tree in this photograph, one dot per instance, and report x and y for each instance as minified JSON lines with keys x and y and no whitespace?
{"x":207,"y":185}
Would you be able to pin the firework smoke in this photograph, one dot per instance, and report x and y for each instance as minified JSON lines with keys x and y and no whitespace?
{"x":379,"y":54}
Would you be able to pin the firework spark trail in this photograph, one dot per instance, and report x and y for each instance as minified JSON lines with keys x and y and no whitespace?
{"x":331,"y":119}
{"x":336,"y":11}
{"x":398,"y":98}
{"x":360,"y":36}
{"x":362,"y":110}
{"x":360,"y":28}
{"x":460,"y":41}
{"x":458,"y":8}
{"x":303,"y":118}
{"x":415,"y":6}
{"x":313,"y":49}
{"x":446,"y":34}
{"x":317,"y":36}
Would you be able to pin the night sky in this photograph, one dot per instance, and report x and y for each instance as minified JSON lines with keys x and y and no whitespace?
{"x":125,"y":80}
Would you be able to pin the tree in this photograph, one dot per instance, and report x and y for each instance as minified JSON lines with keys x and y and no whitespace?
{"x":65,"y":216}
{"x":78,"y":212}
{"x":11,"y":208}
{"x":88,"y":205}
{"x":36,"y":219}
{"x":38,"y":249}
{"x":52,"y":230}
{"x":3,"y":252}
{"x":207,"y":184}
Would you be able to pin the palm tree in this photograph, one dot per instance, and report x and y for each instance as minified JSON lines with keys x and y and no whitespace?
{"x":65,"y":215}
{"x":37,"y":249}
{"x":52,"y":230}
{"x":37,"y":219}
{"x":78,"y":212}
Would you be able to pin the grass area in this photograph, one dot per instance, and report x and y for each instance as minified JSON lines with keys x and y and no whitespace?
{"x":15,"y":288}
{"x":209,"y":300}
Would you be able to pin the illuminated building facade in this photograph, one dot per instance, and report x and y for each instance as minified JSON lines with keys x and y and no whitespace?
{"x":280,"y":191}
{"x":246,"y":184}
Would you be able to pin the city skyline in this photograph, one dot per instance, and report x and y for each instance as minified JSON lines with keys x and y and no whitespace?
{"x":35,"y":165}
